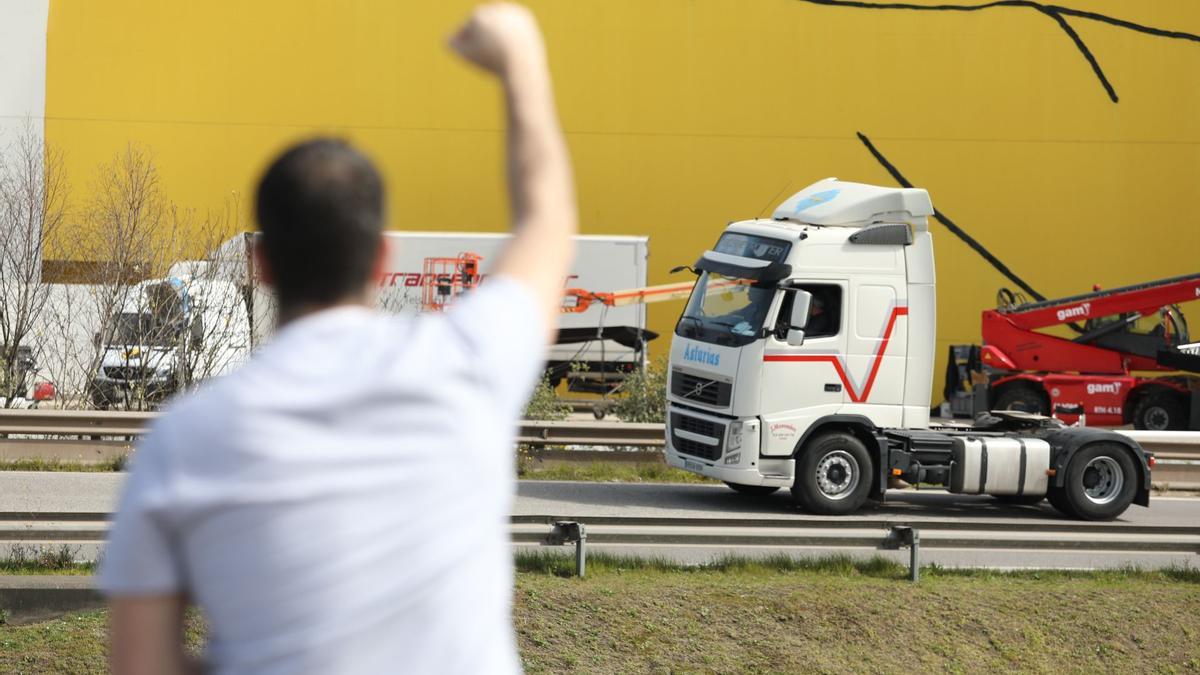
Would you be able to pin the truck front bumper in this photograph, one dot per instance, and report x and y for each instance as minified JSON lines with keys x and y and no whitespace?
{"x":741,"y":476}
{"x":727,"y":450}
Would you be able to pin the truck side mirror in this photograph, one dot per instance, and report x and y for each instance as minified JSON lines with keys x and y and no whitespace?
{"x":795,"y":337}
{"x":801,"y":300}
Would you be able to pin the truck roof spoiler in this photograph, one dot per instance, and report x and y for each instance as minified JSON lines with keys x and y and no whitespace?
{"x":835,"y":203}
{"x":742,"y":267}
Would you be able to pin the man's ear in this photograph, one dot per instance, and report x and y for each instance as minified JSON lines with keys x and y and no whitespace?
{"x":263,"y":268}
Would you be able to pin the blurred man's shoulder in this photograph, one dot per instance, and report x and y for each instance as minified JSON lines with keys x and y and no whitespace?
{"x":196,"y":417}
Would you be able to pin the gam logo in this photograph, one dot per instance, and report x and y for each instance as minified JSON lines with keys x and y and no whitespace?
{"x":1072,"y":312}
{"x":701,"y":355}
{"x":1113,"y":388}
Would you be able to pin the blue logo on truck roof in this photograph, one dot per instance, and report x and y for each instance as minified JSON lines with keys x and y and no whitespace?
{"x":815,"y":199}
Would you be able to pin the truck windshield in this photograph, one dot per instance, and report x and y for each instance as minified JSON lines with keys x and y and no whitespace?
{"x":725,"y":310}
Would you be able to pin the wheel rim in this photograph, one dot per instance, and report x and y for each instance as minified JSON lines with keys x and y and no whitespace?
{"x":837,"y":475}
{"x":1102,"y":480}
{"x":1157,"y":418}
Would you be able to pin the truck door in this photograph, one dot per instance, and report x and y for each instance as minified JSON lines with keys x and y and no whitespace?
{"x":803,"y":383}
{"x":877,"y":346}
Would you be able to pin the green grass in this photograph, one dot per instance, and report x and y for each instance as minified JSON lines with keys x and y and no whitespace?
{"x":44,"y":560}
{"x":840,"y":615}
{"x":110,"y":465}
{"x":834,"y":614}
{"x":618,"y":472}
{"x":559,"y":563}
{"x":76,"y":643}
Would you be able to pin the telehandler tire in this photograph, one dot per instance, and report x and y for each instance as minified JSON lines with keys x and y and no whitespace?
{"x":1161,"y":411}
{"x":1023,"y":396}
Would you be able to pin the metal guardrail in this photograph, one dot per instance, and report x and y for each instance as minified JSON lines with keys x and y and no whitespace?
{"x":1165,"y":444}
{"x":98,"y":425}
{"x":93,"y":436}
{"x":737,"y":533}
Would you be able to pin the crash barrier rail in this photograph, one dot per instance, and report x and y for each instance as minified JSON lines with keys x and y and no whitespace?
{"x":97,"y":425}
{"x":81,"y":435}
{"x":89,"y":423}
{"x":738,"y":535}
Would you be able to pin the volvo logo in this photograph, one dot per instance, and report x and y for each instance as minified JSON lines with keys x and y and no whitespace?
{"x":698,"y":389}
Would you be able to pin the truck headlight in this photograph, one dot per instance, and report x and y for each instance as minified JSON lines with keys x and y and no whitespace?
{"x":734,"y":442}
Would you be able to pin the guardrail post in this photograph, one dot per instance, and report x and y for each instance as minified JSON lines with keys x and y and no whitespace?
{"x":570,"y":532}
{"x":901,"y":535}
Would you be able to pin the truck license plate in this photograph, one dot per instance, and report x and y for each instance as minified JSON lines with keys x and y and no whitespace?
{"x":693,"y":466}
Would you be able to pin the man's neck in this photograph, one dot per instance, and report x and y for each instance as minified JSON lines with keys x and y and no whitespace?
{"x":292,"y":312}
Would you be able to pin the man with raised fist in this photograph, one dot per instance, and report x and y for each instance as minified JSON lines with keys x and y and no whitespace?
{"x":340,"y":504}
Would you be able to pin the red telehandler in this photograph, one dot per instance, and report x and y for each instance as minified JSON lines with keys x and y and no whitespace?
{"x":1130,"y":361}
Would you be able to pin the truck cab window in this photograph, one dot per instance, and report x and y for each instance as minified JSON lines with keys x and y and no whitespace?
{"x":824,"y":312}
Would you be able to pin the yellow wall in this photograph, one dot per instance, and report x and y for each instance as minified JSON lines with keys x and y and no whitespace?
{"x":682,"y":115}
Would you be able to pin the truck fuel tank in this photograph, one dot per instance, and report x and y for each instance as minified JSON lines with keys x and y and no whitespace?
{"x":998,"y":465}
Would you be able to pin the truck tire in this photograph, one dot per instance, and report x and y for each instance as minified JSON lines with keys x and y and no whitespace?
{"x":1100,"y":484}
{"x":1161,"y":411}
{"x":752,"y":490}
{"x":833,"y":475}
{"x":1022,"y":396}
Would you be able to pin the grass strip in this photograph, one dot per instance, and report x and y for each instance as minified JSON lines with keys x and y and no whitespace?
{"x":614,"y":472}
{"x":834,"y":614}
{"x":31,"y":559}
{"x":110,"y":465}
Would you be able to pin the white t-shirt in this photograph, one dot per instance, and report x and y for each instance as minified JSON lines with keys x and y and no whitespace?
{"x":340,"y":504}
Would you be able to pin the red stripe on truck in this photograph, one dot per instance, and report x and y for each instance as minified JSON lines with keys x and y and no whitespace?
{"x":836,"y":359}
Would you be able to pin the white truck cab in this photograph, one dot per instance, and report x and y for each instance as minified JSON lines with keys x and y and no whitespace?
{"x":804,"y":359}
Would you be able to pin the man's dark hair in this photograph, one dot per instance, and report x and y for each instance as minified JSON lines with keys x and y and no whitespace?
{"x":320,"y":210}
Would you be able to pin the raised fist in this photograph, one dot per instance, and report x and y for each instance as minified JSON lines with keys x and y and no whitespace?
{"x":499,"y":36}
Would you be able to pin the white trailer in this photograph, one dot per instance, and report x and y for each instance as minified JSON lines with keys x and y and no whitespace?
{"x":427,"y":271}
{"x":812,"y":370}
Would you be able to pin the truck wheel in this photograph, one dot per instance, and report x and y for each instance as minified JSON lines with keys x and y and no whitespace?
{"x":1100,"y":483}
{"x":1160,"y":411}
{"x":1024,"y":397}
{"x":752,"y":490}
{"x":833,"y":476}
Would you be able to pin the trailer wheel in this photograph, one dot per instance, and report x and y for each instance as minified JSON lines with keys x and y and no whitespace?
{"x":833,"y":476}
{"x":752,"y":490}
{"x":1100,"y":483}
{"x":1024,"y":397}
{"x":1160,"y":411}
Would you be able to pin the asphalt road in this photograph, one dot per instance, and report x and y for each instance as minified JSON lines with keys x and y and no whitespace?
{"x":98,"y":492}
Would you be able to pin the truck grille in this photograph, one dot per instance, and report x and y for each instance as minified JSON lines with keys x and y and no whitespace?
{"x":699,"y":426}
{"x":701,"y":389}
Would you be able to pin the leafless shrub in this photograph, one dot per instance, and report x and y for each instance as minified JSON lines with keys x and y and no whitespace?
{"x":130,"y":336}
{"x":33,"y":197}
